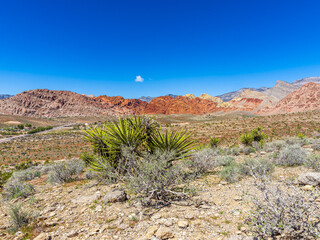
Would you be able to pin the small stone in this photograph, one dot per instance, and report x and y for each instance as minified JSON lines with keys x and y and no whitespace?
{"x":183,"y":224}
{"x":42,"y":236}
{"x":98,"y":208}
{"x":237,"y":198}
{"x":116,"y":195}
{"x":307,"y":188}
{"x":133,"y":217}
{"x":72,"y":233}
{"x":151,"y":231}
{"x":189,"y":216}
{"x":164,"y":233}
{"x":223,"y":183}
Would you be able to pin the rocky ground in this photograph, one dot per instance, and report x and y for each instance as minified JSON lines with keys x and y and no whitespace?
{"x":83,"y":210}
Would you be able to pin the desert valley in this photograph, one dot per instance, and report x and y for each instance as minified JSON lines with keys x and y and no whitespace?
{"x":170,"y":167}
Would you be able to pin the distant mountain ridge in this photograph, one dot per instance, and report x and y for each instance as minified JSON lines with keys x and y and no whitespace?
{"x":3,"y":96}
{"x":231,"y":95}
{"x":303,"y":81}
{"x":148,"y":98}
{"x":284,"y":97}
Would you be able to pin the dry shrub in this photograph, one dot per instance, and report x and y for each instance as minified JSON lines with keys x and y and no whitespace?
{"x":284,"y":211}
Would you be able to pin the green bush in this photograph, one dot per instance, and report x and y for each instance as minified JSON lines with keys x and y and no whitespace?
{"x":214,"y":142}
{"x":246,"y":139}
{"x":256,"y":135}
{"x":4,"y":176}
{"x":39,"y":129}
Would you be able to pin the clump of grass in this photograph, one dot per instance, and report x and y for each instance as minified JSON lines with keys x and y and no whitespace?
{"x":19,"y":217}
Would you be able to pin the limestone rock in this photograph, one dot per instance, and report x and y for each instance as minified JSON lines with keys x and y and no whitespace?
{"x":164,"y":233}
{"x":309,"y":178}
{"x":116,"y":195}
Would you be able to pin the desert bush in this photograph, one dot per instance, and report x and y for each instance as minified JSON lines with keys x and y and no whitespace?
{"x":225,"y":160}
{"x":214,"y":142}
{"x":292,"y":155}
{"x":19,"y":217}
{"x":153,"y":180}
{"x":235,"y":151}
{"x":4,"y":176}
{"x":107,"y":173}
{"x":284,"y":211}
{"x":313,"y":162}
{"x":298,"y":141}
{"x":247,"y":150}
{"x":256,"y":167}
{"x":15,"y":188}
{"x":274,"y":146}
{"x":231,"y":173}
{"x":27,"y":174}
{"x":65,"y":171}
{"x":202,"y":161}
{"x":316,"y":146}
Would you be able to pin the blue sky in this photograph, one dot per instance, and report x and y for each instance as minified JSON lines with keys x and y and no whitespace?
{"x":176,"y":46}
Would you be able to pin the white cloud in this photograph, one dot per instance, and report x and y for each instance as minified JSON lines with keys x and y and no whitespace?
{"x":139,"y":79}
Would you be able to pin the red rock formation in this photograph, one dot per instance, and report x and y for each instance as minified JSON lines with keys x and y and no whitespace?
{"x":135,"y":105}
{"x":180,"y":105}
{"x":47,"y":103}
{"x":306,"y":98}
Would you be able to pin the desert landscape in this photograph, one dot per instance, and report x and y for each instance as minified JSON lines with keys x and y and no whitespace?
{"x":232,"y":160}
{"x":159,"y":120}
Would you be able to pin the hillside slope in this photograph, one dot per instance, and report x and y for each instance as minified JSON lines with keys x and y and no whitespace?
{"x":306,"y":98}
{"x":48,"y":103}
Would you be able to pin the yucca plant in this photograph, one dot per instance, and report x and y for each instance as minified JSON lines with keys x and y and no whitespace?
{"x":108,"y":141}
{"x":213,"y":143}
{"x":178,"y":142}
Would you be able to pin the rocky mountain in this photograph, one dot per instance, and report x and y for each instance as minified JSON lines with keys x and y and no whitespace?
{"x":280,"y":90}
{"x":148,"y":99}
{"x":231,"y":95}
{"x":47,"y":103}
{"x":135,"y":105}
{"x":3,"y":96}
{"x":301,"y":82}
{"x":248,"y":101}
{"x":305,"y":98}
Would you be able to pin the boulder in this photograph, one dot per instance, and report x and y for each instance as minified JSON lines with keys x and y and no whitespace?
{"x":309,"y":178}
{"x":116,"y":195}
